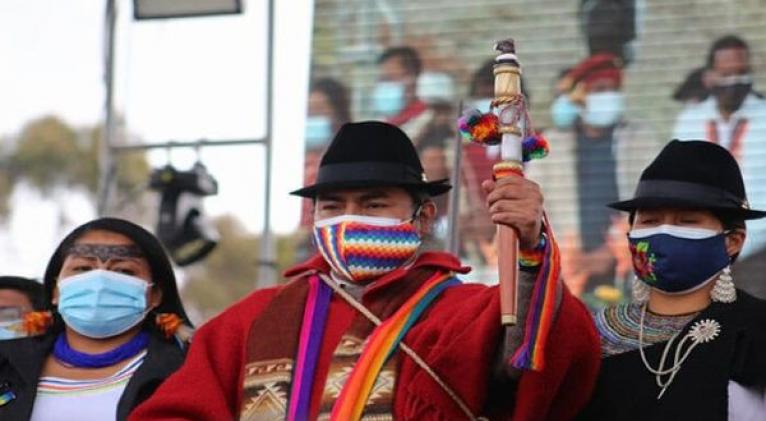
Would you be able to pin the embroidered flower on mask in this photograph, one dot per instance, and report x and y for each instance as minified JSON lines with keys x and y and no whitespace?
{"x":643,"y":261}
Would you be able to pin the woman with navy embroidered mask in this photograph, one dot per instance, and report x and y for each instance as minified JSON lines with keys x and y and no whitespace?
{"x":690,"y":345}
{"x":114,"y":330}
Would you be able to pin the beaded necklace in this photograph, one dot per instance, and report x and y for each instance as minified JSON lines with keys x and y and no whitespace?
{"x":73,"y":358}
{"x":619,"y":328}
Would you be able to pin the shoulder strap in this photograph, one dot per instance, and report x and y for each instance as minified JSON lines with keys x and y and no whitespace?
{"x":406,"y":349}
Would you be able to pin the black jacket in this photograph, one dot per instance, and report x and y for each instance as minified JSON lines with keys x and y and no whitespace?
{"x":22,"y":360}
{"x":627,"y":391}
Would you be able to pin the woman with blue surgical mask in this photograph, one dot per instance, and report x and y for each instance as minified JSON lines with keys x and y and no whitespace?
{"x":114,"y":330}
{"x":328,"y":109}
{"x":565,"y":112}
{"x":690,"y":343}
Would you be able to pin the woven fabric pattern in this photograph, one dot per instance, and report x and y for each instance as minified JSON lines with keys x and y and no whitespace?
{"x":361,"y":252}
{"x":618,"y":327}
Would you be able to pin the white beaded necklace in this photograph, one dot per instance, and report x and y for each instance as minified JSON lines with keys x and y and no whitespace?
{"x":702,"y":331}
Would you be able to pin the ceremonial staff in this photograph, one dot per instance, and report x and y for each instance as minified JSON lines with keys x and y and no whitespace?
{"x":508,"y":124}
{"x":509,"y":102}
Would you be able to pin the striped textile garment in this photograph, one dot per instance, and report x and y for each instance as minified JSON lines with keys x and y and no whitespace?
{"x":83,"y":400}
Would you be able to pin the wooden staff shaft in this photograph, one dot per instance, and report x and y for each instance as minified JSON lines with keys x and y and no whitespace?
{"x":508,"y":250}
{"x":507,"y":73}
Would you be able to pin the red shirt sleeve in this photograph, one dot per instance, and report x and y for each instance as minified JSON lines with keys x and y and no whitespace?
{"x":572,"y":361}
{"x":207,"y":386}
{"x":459,"y":338}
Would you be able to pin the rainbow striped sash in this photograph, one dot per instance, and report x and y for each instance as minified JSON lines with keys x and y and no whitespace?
{"x":542,"y":308}
{"x":309,"y":345}
{"x":381,"y":344}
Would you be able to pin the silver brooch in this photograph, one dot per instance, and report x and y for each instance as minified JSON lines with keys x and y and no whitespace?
{"x":705,"y":331}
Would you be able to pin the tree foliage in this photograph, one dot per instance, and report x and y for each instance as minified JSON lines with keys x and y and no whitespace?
{"x":49,"y":153}
{"x":6,"y":187}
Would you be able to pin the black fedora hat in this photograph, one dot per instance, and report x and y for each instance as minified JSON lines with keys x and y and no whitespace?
{"x":692,"y":174}
{"x":371,"y":154}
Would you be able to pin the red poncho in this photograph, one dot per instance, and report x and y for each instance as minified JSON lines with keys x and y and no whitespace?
{"x":459,"y":337}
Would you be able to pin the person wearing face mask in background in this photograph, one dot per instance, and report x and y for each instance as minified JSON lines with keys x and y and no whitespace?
{"x":691,"y":346}
{"x":394,"y":98}
{"x":328,"y":108}
{"x":18,"y":297}
{"x":437,"y":90}
{"x":310,"y":349}
{"x":114,"y":330}
{"x":734,"y":116}
{"x":598,"y":153}
{"x":693,"y":89}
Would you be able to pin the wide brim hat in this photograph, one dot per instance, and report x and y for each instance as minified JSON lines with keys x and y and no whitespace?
{"x":693,"y":174}
{"x":371,"y":154}
{"x":155,"y":254}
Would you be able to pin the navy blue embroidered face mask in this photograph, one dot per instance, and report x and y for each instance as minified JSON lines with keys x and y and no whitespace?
{"x":675,"y":259}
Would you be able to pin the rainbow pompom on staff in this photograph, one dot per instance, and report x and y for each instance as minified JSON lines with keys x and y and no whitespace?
{"x":484,"y":128}
{"x":478,"y":127}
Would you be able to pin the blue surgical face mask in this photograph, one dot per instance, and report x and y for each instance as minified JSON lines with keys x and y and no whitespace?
{"x":564,"y":112}
{"x":388,"y":98}
{"x":481,"y":104}
{"x":603,"y":109}
{"x":102,"y":303}
{"x":677,"y":260}
{"x":318,"y":131}
{"x":8,"y":329}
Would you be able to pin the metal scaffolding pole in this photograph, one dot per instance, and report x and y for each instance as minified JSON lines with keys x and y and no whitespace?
{"x":105,"y":160}
{"x":267,"y":272}
{"x":202,"y":143}
{"x":453,"y":229}
{"x":107,"y":146}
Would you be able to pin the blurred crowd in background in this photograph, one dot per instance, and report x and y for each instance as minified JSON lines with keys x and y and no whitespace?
{"x":633,"y":86}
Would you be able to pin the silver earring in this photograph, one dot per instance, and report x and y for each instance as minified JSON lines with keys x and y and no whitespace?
{"x":724,"y":291}
{"x":640,"y":291}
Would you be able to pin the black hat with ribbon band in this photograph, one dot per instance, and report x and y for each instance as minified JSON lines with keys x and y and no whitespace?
{"x":371,"y":154}
{"x":692,"y":174}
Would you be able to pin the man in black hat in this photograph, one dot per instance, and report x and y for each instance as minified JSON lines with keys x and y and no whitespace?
{"x":690,"y":342}
{"x":734,"y":116}
{"x":373,"y":326}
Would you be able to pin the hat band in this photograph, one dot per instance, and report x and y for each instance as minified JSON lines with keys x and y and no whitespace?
{"x":393,"y":172}
{"x":701,"y":193}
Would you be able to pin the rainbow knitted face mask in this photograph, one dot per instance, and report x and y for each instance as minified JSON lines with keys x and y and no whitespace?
{"x":361,"y":248}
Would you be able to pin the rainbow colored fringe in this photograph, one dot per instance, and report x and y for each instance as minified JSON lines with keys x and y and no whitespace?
{"x":381,"y":344}
{"x":542,"y":307}
{"x":533,"y":258}
{"x":309,"y":345}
